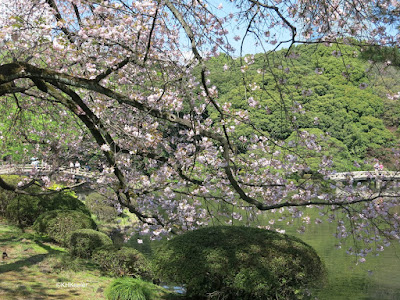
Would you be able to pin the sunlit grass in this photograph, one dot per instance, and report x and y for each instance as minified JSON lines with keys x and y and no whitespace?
{"x":127,"y":288}
{"x":35,"y":269}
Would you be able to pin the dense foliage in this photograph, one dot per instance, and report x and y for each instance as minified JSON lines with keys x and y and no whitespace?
{"x":229,"y":262}
{"x":59,"y":224}
{"x":122,"y":262}
{"x":337,"y":94}
{"x":83,"y":242}
{"x":23,"y":209}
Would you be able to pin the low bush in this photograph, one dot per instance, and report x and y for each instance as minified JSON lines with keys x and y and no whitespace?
{"x":24,"y":209}
{"x":122,"y":262}
{"x":83,"y":242}
{"x":128,"y":288}
{"x":59,"y":224}
{"x":66,"y":200}
{"x":229,"y":262}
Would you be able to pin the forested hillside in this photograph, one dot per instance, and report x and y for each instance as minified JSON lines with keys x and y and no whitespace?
{"x":335,"y":90}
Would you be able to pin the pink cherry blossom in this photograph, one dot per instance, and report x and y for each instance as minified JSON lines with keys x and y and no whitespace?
{"x":126,"y":87}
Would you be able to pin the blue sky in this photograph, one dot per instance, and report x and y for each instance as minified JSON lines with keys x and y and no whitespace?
{"x":249,"y":46}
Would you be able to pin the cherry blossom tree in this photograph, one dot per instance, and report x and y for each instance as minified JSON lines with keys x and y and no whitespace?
{"x":127,"y":83}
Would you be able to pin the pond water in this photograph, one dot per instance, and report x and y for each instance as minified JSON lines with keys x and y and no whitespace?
{"x":376,"y":279}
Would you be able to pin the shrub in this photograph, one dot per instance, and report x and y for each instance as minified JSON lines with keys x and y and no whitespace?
{"x":66,"y":200}
{"x":24,"y":209}
{"x":127,"y":288}
{"x":7,"y":196}
{"x":230,"y":262}
{"x":59,"y":224}
{"x":122,"y":262}
{"x":83,"y":242}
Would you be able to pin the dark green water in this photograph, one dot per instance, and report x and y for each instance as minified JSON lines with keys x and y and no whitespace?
{"x":376,"y":279}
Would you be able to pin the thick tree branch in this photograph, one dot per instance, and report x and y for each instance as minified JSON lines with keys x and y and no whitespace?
{"x":88,"y":119}
{"x":22,"y":189}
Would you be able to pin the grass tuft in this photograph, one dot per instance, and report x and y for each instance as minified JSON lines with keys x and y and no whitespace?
{"x":127,"y":288}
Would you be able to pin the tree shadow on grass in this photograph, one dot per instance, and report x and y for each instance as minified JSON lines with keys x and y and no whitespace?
{"x":11,"y":239}
{"x":48,"y":248}
{"x":15,"y":238}
{"x":28,"y":261}
{"x":35,"y":291}
{"x":20,"y":264}
{"x":20,"y":282}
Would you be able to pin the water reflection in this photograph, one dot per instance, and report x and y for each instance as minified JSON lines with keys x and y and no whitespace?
{"x":376,"y":279}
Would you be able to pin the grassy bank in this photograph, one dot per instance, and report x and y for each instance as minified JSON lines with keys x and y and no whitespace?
{"x":38,"y":269}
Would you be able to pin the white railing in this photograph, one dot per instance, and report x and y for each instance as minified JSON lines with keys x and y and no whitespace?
{"x":365,"y":175}
{"x":47,"y":169}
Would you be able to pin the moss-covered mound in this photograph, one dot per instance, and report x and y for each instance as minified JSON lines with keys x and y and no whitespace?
{"x":229,"y":262}
{"x":59,"y":224}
